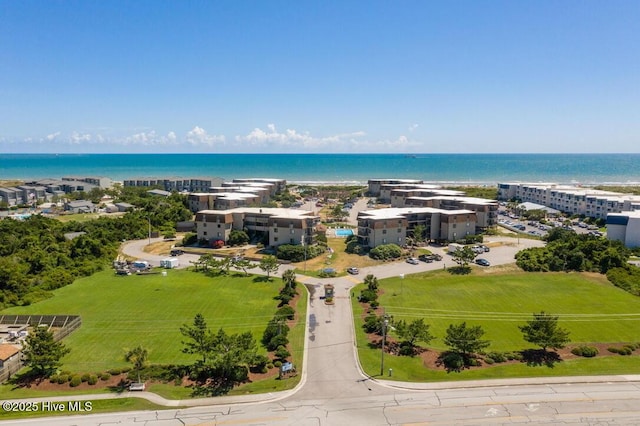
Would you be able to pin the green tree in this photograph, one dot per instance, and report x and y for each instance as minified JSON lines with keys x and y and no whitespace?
{"x":289,"y":278}
{"x":268,"y":264}
{"x":338,"y":213}
{"x":419,"y":232}
{"x":243,"y":264}
{"x":238,"y":238}
{"x":200,"y":340}
{"x":543,"y":331}
{"x":371,"y":281}
{"x":464,"y":340}
{"x":137,"y":356}
{"x":42,"y":353}
{"x":463,"y":256}
{"x":413,"y":332}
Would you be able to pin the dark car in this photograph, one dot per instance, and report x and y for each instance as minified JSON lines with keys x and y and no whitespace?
{"x":426,"y":258}
{"x":483,"y":262}
{"x":176,"y":252}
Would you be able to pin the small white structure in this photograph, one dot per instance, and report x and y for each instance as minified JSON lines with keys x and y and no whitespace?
{"x":454,"y":247}
{"x":169,"y":263}
{"x":624,"y":227}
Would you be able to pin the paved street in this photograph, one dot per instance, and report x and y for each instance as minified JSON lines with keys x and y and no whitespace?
{"x":334,"y":391}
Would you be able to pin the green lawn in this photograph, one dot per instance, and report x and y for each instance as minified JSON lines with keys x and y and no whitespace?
{"x":589,"y":307}
{"x":121,"y":312}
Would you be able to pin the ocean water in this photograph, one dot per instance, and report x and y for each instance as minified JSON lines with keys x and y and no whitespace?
{"x":339,"y":168}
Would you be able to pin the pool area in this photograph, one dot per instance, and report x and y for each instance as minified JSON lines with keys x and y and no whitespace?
{"x":344,"y":232}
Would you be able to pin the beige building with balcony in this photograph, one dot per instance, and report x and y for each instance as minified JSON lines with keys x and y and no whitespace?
{"x":282,"y":226}
{"x":393,"y":225}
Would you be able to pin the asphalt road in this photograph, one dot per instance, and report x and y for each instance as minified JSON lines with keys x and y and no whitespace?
{"x":334,"y":391}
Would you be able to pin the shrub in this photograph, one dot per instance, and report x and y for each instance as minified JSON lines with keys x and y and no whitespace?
{"x":372,"y":324}
{"x":406,"y":350}
{"x":277,"y":364}
{"x":105,"y":376}
{"x":489,"y":360}
{"x":93,"y":379}
{"x":511,"y":356}
{"x":85,"y":377}
{"x":114,"y":371}
{"x":75,"y":381}
{"x":585,"y":351}
{"x":63,"y":378}
{"x":126,"y":369}
{"x":269,"y":365}
{"x":453,"y":361}
{"x":286,"y":311}
{"x":282,"y":353}
{"x":497,"y":357}
{"x":386,"y":251}
{"x":54,"y":378}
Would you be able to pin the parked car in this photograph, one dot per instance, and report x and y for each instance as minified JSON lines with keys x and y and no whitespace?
{"x":176,"y":252}
{"x":483,"y":262}
{"x":426,"y":258}
{"x":413,"y":261}
{"x":353,"y":271}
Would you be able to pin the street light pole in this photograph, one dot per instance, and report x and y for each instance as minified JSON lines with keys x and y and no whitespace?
{"x":149,"y":219}
{"x":385,"y":322}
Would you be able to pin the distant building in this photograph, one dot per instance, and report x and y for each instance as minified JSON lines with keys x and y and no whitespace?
{"x":569,"y":199}
{"x":393,"y":225}
{"x":280,"y":226}
{"x":375,"y":185}
{"x":159,"y":192}
{"x":179,"y":184}
{"x":624,"y":227}
{"x":79,"y":206}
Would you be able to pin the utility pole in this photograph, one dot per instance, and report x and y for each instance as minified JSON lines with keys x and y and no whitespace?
{"x":149,"y":219}
{"x":385,"y":323}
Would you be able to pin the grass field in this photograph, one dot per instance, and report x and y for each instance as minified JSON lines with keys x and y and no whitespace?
{"x":588,"y":306}
{"x":121,"y":312}
{"x":338,"y":260}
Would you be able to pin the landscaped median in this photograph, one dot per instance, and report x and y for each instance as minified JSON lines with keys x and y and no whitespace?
{"x":593,"y":311}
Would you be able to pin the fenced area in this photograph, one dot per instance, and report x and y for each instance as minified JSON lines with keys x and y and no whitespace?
{"x":60,"y":325}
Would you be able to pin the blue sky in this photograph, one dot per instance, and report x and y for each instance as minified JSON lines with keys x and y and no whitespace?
{"x":319,"y":76}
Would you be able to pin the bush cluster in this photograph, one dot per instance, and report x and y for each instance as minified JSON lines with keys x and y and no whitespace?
{"x":386,"y":252}
{"x":585,"y":351}
{"x":296,"y":253}
{"x":625,"y":350}
{"x":495,"y":357}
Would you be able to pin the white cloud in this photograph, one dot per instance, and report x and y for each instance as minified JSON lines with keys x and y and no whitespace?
{"x":52,"y":136}
{"x":77,"y":138}
{"x":413,"y":127}
{"x":292,"y":139}
{"x":199,"y":137}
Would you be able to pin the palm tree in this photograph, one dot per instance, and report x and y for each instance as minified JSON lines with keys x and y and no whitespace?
{"x":138,"y":357}
{"x":289,"y":278}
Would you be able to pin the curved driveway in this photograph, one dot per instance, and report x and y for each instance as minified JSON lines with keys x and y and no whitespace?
{"x":334,"y":391}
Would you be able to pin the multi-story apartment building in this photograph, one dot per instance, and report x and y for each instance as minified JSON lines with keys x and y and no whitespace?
{"x":276,"y":185}
{"x":624,"y":227}
{"x":570,"y":199}
{"x":179,"y":184}
{"x":375,"y":185}
{"x":392,"y":225}
{"x":282,"y":226}
{"x":99,"y":181}
{"x":486,"y":210}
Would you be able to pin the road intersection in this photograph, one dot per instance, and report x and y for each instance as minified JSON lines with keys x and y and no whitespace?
{"x":334,"y":391}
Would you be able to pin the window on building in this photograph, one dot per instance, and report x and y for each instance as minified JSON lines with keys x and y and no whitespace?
{"x":275,"y":229}
{"x":275,"y":239}
{"x":290,"y":240}
{"x":205,"y":233}
{"x":384,"y":231}
{"x":218,"y":225}
{"x":293,"y":231}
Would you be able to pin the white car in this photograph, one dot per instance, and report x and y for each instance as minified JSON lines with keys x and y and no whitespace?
{"x":413,"y":261}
